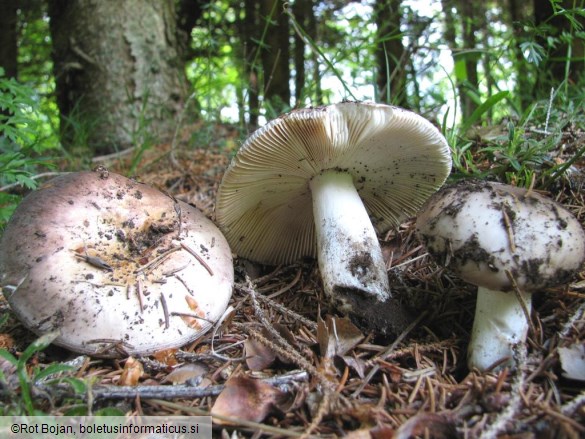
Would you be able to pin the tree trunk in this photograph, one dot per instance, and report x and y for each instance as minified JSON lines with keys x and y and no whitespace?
{"x":8,"y":38}
{"x":188,"y":12}
{"x":302,"y":10}
{"x":390,"y":59}
{"x":275,"y":57}
{"x":523,"y":79}
{"x":313,"y":33}
{"x":468,"y":9}
{"x":464,"y":61}
{"x":119,"y":73}
{"x":249,"y":35}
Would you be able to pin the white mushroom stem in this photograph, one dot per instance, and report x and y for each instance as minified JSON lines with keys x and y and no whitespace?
{"x":500,"y":323}
{"x":348,"y":251}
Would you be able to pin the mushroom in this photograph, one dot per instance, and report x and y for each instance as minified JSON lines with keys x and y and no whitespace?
{"x":115,"y":266}
{"x":509,"y":242}
{"x":321,"y":182}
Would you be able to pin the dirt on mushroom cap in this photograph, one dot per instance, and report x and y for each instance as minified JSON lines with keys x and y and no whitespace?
{"x":487,"y":231}
{"x":111,"y":264}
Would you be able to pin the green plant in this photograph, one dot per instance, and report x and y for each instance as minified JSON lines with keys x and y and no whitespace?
{"x":142,"y":137}
{"x":523,"y":150}
{"x":27,"y":379}
{"x":23,"y":141}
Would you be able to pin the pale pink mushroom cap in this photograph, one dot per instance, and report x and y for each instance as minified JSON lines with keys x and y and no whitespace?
{"x":117,"y":267}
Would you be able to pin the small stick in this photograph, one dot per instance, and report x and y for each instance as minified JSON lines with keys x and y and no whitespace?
{"x":139,"y":294}
{"x":163,"y":302}
{"x":156,"y":261}
{"x":570,"y":407}
{"x":175,"y":270}
{"x":550,"y":102}
{"x":179,"y":213}
{"x":387,"y":353}
{"x":110,"y":341}
{"x":509,"y":230}
{"x":514,"y":404}
{"x":187,"y":314}
{"x":288,"y":352}
{"x":250,"y":425}
{"x":184,"y":284}
{"x":95,"y":261}
{"x":116,"y":345}
{"x":287,"y":287}
{"x":284,"y":310}
{"x":520,"y":298}
{"x":199,"y":258}
{"x":279,"y":345}
{"x":184,"y":391}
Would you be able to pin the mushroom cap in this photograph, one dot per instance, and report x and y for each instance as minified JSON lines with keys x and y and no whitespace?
{"x":481,"y":230}
{"x":264,"y":204}
{"x":79,"y":256}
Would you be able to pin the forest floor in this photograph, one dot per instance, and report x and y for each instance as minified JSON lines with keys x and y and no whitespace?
{"x":291,"y":366}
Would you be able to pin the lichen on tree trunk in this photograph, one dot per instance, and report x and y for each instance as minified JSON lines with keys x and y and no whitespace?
{"x":119,"y":72}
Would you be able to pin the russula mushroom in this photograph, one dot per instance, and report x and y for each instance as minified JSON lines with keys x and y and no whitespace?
{"x":510,"y":242}
{"x":321,"y":182}
{"x":117,"y":267}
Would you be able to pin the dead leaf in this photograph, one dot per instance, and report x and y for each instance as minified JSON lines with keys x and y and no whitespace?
{"x":285,"y":333}
{"x":258,"y":355}
{"x":193,"y":321}
{"x":167,"y":357}
{"x":424,"y":424}
{"x":192,"y":373}
{"x":337,"y":336}
{"x":357,"y":364}
{"x":133,"y":371}
{"x":6,"y":341}
{"x":382,"y":432}
{"x":379,"y":432}
{"x":246,"y":398}
{"x":573,"y":361}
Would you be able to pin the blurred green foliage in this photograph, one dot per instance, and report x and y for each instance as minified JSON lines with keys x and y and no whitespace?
{"x":26,"y":140}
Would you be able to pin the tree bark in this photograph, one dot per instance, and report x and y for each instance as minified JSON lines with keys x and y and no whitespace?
{"x":249,"y":35}
{"x":275,"y":57}
{"x":313,"y":33}
{"x":118,"y":69}
{"x":8,"y":38}
{"x":516,"y":14}
{"x":470,"y":28}
{"x":390,"y":59}
{"x":302,"y":10}
{"x":464,"y":60}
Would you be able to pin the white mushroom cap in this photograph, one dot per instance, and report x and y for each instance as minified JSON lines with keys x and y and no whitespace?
{"x":114,"y":265}
{"x":264,"y":205}
{"x":508,"y":241}
{"x":480,"y":230}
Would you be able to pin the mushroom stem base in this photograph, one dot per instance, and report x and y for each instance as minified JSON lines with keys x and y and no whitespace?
{"x":498,"y":326}
{"x":349,"y":254}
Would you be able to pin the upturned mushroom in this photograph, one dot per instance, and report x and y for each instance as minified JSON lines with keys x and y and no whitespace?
{"x":322,"y":182}
{"x":511,"y":243}
{"x":117,"y":267}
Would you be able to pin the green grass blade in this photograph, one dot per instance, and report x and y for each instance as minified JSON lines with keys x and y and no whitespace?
{"x":481,"y":110}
